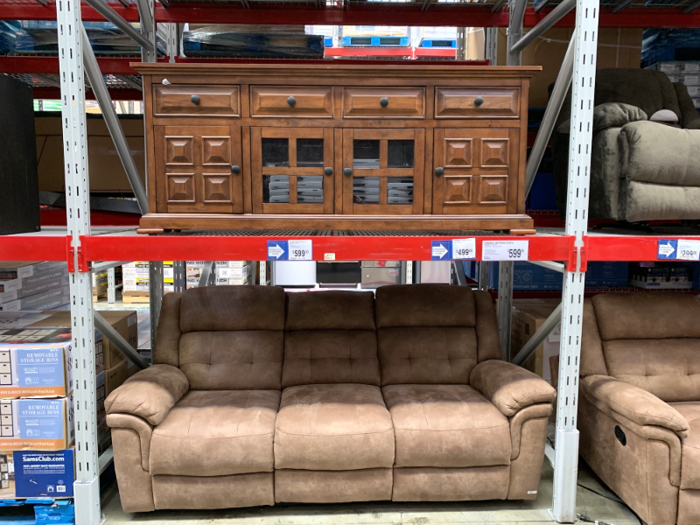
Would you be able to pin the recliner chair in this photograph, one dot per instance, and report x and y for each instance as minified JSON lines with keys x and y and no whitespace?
{"x":645,"y":151}
{"x":639,"y":404}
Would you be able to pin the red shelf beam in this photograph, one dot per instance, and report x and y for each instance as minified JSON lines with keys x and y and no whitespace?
{"x":49,"y":64}
{"x":472,"y":16}
{"x":34,"y":247}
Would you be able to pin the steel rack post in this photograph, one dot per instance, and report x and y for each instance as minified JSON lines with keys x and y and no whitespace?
{"x":491,"y":51}
{"x":484,"y":275}
{"x":171,"y":41}
{"x":546,"y":23}
{"x":505,"y":305}
{"x":516,"y":17}
{"x":581,"y":131}
{"x":87,"y":483}
{"x":551,"y":113}
{"x":179,"y":276}
{"x":263,"y":273}
{"x":111,"y":287}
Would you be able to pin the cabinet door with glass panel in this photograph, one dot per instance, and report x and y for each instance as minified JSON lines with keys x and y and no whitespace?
{"x":383,"y":171}
{"x":292,"y":170}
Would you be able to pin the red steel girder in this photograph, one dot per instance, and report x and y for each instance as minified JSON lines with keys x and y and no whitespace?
{"x":437,"y":15}
{"x":626,"y":248}
{"x":49,"y":64}
{"x":33,"y":247}
{"x":54,"y":93}
{"x":349,"y":248}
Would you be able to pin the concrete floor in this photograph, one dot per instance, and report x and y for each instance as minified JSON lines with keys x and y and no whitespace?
{"x":386,"y":513}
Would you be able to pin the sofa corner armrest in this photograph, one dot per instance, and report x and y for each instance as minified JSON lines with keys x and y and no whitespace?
{"x":633,"y":403}
{"x":616,"y":115}
{"x":510,"y":387}
{"x":149,"y":394}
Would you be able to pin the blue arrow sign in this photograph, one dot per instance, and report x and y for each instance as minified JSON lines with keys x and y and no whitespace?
{"x":440,"y":250}
{"x":667,"y":249}
{"x":277,"y":250}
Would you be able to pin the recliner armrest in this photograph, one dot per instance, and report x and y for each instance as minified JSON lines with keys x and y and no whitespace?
{"x":610,"y":115}
{"x":149,"y":394}
{"x":510,"y":387}
{"x":633,"y":403}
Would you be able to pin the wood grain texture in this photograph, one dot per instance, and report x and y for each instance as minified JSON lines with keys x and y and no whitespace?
{"x":481,"y":147}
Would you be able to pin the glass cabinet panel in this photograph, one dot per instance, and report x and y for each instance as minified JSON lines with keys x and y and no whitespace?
{"x":365,"y":190}
{"x":365,"y":154}
{"x":400,"y":154}
{"x":292,"y":170}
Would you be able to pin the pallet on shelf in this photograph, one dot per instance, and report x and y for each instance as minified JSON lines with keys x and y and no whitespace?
{"x":136,"y":297}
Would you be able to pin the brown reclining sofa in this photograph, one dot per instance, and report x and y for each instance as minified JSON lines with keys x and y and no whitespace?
{"x":639,"y":408}
{"x":259,"y":396}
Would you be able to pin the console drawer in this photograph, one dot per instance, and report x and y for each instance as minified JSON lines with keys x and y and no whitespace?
{"x":476,"y":102}
{"x":384,"y":102}
{"x":191,"y":100}
{"x":272,"y":101}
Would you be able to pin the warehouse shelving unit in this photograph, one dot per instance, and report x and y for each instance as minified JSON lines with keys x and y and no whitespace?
{"x":567,"y":250}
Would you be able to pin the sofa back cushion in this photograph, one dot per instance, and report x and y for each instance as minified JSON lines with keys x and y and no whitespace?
{"x":651,"y":341}
{"x":230,"y":337}
{"x":330,"y":337}
{"x":433,"y":333}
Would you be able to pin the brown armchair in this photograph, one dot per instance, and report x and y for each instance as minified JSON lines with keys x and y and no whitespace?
{"x":639,"y":407}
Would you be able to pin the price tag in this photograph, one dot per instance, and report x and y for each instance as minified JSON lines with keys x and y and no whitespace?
{"x":300,"y":250}
{"x":504,"y":250}
{"x":688,"y":250}
{"x":464,"y":249}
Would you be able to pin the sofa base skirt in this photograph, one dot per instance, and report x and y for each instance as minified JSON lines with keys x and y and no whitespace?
{"x":217,"y":492}
{"x":450,"y":484}
{"x":325,"y":486}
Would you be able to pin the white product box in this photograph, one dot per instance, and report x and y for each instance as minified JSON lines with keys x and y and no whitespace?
{"x":231,"y":273}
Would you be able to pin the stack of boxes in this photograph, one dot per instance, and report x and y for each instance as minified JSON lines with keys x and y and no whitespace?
{"x":227,"y":273}
{"x":136,"y":281}
{"x":99,"y":285}
{"x":686,"y":72}
{"x":36,"y":397}
{"x":33,"y":285}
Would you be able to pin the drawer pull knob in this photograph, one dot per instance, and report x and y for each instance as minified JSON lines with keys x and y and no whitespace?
{"x":478,"y":101}
{"x":347,"y":172}
{"x":328,"y":171}
{"x":195,"y":99}
{"x":439,"y":172}
{"x":384,"y":101}
{"x":235,"y":170}
{"x":291,"y":101}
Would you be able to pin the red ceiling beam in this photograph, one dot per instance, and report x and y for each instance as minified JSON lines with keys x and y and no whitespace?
{"x":473,"y":16}
{"x":54,"y":93}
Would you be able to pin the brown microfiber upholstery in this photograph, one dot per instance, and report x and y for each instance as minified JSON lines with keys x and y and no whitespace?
{"x":450,"y":484}
{"x":333,"y":427}
{"x":633,"y":403}
{"x":446,"y":426}
{"x":529,"y":432}
{"x":230,"y":308}
{"x":217,"y":433}
{"x":330,"y":310}
{"x":134,"y":481}
{"x":647,"y":316}
{"x":430,"y":334}
{"x":339,"y":486}
{"x":689,"y":507}
{"x":167,"y":349}
{"x":592,"y":358}
{"x":149,"y":394}
{"x":690,"y":463}
{"x":330,"y":338}
{"x":219,"y":492}
{"x":142,"y":429}
{"x":667,"y":368}
{"x":241,"y":360}
{"x":510,"y":387}
{"x":425,"y":305}
{"x":232,"y":337}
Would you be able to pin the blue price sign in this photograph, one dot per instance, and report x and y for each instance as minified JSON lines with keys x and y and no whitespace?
{"x":277,"y":251}
{"x":440,"y":250}
{"x":667,"y":249}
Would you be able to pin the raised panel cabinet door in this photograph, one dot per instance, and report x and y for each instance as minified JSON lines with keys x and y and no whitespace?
{"x":476,"y":171}
{"x":382,"y":171}
{"x":292,"y":169}
{"x":198,"y":169}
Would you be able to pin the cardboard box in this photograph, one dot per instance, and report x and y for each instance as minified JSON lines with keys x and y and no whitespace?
{"x":123,"y":321}
{"x":231,"y":273}
{"x":528,"y":316}
{"x":26,"y":290}
{"x":231,"y":282}
{"x":36,"y":424}
{"x":35,"y":369}
{"x":44,"y":474}
{"x":46,"y":300}
{"x":14,"y":269}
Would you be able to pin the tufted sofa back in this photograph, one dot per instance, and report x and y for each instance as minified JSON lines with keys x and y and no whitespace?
{"x":224,"y":337}
{"x":434,"y":333}
{"x":649,"y":340}
{"x":330,"y":337}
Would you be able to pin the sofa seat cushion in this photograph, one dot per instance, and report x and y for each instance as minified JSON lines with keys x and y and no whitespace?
{"x":690,"y":461}
{"x":333,"y":427}
{"x":216,"y":433}
{"x":447,"y":426}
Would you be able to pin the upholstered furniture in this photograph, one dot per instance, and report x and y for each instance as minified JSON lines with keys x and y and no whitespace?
{"x":646,"y":145}
{"x":639,"y":406}
{"x":259,"y":396}
{"x":336,"y":146}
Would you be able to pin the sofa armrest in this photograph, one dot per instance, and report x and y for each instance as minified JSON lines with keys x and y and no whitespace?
{"x":510,"y":387}
{"x":633,"y":403}
{"x":149,"y":394}
{"x":610,"y":115}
